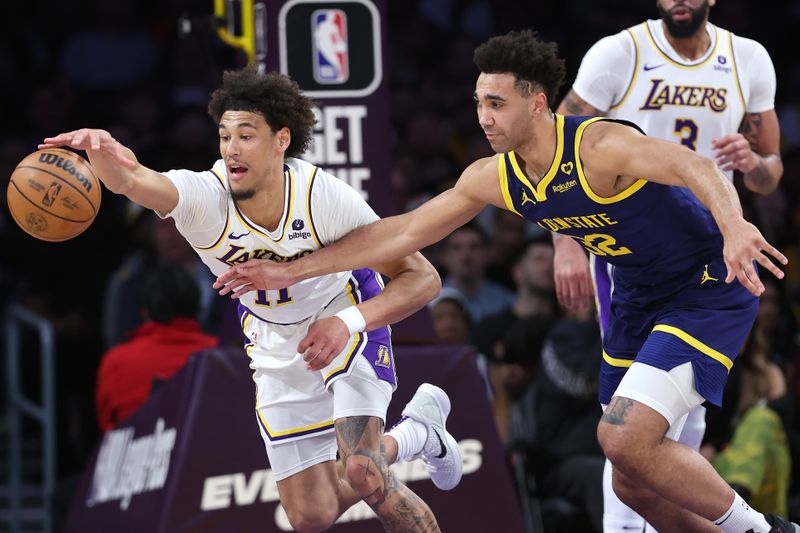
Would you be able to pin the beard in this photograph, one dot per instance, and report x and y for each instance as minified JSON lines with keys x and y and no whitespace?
{"x":246,"y":194}
{"x":684,"y":28}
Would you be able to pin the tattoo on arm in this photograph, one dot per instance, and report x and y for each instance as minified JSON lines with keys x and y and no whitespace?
{"x":751,"y":129}
{"x":760,"y":175}
{"x":616,"y":412}
{"x":575,"y":105}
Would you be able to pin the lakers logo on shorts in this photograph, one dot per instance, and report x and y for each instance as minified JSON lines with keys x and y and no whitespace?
{"x":383,"y":357}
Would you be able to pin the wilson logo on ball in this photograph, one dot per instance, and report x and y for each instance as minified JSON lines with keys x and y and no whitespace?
{"x":67,"y":166}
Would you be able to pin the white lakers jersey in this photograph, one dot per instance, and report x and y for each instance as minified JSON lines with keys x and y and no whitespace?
{"x":318,"y":209}
{"x":637,"y":76}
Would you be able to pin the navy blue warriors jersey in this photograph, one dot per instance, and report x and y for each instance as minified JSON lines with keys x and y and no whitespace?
{"x":650,"y":232}
{"x":670,"y":304}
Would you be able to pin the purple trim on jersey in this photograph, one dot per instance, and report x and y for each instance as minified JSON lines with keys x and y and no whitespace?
{"x":362,"y":340}
{"x":367,"y":284}
{"x":378,"y":350}
{"x":242,"y":311}
{"x":311,"y":182}
{"x":602,"y":290}
{"x":292,"y":434}
{"x":221,"y":181}
{"x":286,"y":209}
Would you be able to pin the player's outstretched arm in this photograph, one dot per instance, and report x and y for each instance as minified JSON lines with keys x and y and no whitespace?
{"x":383,"y":241}
{"x":414,"y":282}
{"x":118,"y":168}
{"x":611,"y":150}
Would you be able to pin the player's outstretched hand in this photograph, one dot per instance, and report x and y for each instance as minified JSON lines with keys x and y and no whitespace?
{"x":743,"y":245}
{"x":254,"y":275}
{"x":733,"y":152}
{"x":326,"y":338}
{"x":572,"y":276}
{"x":90,"y":140}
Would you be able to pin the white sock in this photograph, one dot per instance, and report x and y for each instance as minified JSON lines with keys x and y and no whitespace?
{"x":410,"y":436}
{"x":617,"y":517}
{"x":741,"y":517}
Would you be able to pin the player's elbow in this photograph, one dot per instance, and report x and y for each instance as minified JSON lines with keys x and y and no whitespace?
{"x":433,"y":282}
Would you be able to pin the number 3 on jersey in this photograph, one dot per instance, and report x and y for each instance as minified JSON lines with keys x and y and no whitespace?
{"x":686,"y":131}
{"x":283,"y":298}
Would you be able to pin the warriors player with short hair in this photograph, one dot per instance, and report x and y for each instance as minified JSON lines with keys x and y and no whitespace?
{"x":664,"y":216}
{"x":685,"y":80}
{"x":320,"y":349}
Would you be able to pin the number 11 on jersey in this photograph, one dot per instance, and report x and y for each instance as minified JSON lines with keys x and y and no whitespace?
{"x":283,"y":298}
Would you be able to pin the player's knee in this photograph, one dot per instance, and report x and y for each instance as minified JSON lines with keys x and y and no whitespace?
{"x":366,"y":478}
{"x":633,"y":495}
{"x":311,"y":518}
{"x":619,"y":443}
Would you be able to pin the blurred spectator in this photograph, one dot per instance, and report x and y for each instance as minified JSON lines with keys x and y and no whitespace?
{"x":116,"y":54}
{"x":532,"y":272}
{"x":464,"y":256}
{"x":159,"y":242}
{"x":516,"y":362}
{"x":156,"y":350}
{"x":451,"y":319}
{"x":508,"y":233}
{"x":746,"y":440}
{"x":556,"y":421}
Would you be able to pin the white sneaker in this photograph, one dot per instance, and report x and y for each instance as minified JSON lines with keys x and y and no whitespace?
{"x":430,"y":406}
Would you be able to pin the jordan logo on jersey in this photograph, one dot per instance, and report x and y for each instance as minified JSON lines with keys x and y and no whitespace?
{"x":526,"y":199}
{"x":383,"y":357}
{"x":706,"y":277}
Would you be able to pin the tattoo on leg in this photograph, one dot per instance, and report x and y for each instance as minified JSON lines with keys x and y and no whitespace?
{"x":350,"y":430}
{"x":616,"y":411}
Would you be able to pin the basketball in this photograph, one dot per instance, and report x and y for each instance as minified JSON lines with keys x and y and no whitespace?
{"x":53,"y":194}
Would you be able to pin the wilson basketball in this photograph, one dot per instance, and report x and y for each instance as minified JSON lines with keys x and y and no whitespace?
{"x":53,"y":194}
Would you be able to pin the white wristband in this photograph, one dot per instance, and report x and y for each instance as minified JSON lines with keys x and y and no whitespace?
{"x":353,"y":319}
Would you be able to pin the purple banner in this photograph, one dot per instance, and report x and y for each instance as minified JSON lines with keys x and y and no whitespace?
{"x":335,"y":51}
{"x":191,"y":459}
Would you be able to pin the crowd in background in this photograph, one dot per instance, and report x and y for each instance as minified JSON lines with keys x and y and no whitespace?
{"x":128,"y":66}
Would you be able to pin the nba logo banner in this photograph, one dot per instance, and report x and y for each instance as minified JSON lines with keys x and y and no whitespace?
{"x":329,"y":36}
{"x":331,"y":48}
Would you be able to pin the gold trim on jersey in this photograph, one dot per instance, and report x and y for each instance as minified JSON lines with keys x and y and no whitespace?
{"x":356,"y":339}
{"x":221,"y":235}
{"x":615,"y":361}
{"x":677,"y":63}
{"x":288,"y":179}
{"x":502,"y":172}
{"x":308,"y":207}
{"x":221,"y":181}
{"x":540,"y":191}
{"x":227,"y":219}
{"x":328,"y":424}
{"x":635,"y":186}
{"x":696,"y":344}
{"x":736,"y":72}
{"x":632,"y":82}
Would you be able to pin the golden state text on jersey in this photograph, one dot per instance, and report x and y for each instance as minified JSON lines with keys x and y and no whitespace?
{"x":650,"y":232}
